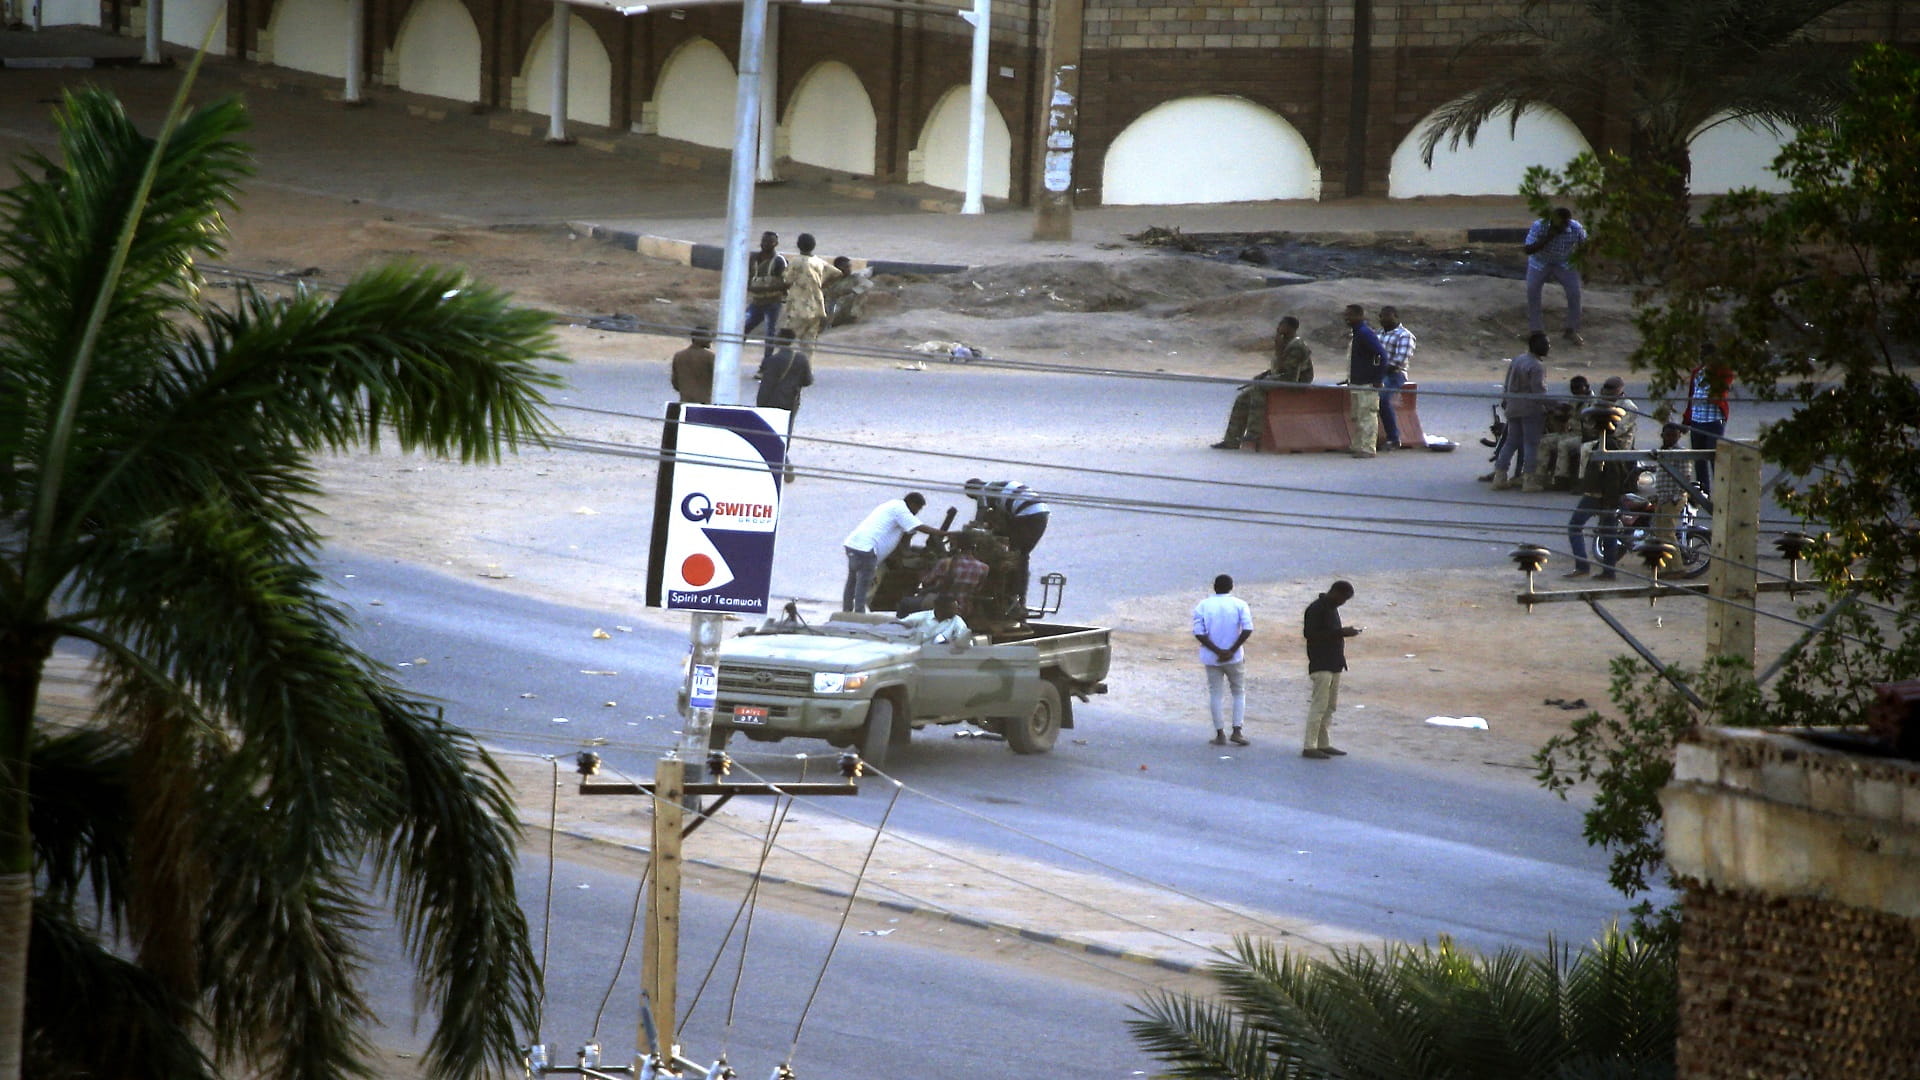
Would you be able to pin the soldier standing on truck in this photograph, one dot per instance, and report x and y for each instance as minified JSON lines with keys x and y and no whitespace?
{"x":1024,"y":520}
{"x":874,"y":539}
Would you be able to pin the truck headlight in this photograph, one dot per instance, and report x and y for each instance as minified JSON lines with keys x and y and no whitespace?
{"x":834,"y":682}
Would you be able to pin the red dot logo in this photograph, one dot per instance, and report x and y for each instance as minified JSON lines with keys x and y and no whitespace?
{"x":697,"y":570}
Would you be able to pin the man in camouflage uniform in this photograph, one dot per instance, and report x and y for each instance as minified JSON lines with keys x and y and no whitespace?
{"x":1292,"y":363}
{"x":807,"y":278}
{"x":1601,"y":483}
{"x":1560,"y":446}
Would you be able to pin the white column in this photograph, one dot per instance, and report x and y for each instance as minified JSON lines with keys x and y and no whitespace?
{"x":156,"y":11}
{"x":356,"y":45}
{"x":977,"y":115}
{"x":559,"y":34}
{"x":770,"y":100}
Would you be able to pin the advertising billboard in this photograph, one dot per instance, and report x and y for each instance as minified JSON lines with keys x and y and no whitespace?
{"x":716,"y":508}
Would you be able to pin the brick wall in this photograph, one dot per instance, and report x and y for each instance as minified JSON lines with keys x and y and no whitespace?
{"x":1800,"y":952}
{"x":1796,"y":987}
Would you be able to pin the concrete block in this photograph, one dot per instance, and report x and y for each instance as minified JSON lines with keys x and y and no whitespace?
{"x":1684,"y":831}
{"x":1693,"y":763}
{"x":1830,"y":791}
{"x":1784,"y":781}
{"x":1877,"y":800}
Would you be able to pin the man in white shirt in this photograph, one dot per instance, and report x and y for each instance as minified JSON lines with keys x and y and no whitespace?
{"x":941,"y":624}
{"x":1222,"y":624}
{"x":874,"y":539}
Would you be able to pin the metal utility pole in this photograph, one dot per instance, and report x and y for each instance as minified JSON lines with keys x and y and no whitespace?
{"x":980,"y":17}
{"x":351,"y":93}
{"x":156,"y":15}
{"x":1053,"y":207}
{"x":561,"y":35}
{"x":1734,"y":577}
{"x":767,"y":170}
{"x":705,"y":632}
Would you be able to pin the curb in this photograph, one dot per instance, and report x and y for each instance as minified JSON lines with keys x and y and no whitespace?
{"x":709,"y":256}
{"x":1044,"y":937}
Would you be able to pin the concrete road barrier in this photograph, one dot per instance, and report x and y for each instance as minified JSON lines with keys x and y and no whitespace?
{"x":1306,"y":418}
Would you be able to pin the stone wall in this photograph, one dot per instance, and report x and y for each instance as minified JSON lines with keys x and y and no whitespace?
{"x":1800,"y":952}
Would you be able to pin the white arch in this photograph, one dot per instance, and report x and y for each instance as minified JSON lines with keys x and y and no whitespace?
{"x":589,"y":74}
{"x":438,"y":51}
{"x":830,"y":121}
{"x":1493,"y":164}
{"x":943,"y":147}
{"x":82,"y":13}
{"x":1729,"y":154}
{"x":695,"y":95}
{"x":185,"y":22}
{"x":310,"y":35}
{"x":1212,"y":149}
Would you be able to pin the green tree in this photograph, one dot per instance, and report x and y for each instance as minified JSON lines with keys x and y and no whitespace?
{"x":1423,"y":1013}
{"x":1664,"y":68}
{"x":204,"y":848}
{"x":1810,"y":297}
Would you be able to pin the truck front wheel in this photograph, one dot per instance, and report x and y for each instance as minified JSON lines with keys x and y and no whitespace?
{"x":878,"y":735}
{"x":1036,"y":734}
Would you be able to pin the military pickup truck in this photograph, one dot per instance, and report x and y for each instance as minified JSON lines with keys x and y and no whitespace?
{"x":860,"y":680}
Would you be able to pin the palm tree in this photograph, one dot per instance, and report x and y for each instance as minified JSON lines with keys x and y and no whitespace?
{"x":206,"y":849}
{"x":1424,"y":1013}
{"x":1666,"y":68}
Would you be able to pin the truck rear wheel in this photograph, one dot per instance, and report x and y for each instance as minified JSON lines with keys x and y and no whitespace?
{"x":878,"y":735}
{"x":1037,"y":732}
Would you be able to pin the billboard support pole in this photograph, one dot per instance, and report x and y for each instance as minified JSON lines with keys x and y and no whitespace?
{"x":705,"y":631}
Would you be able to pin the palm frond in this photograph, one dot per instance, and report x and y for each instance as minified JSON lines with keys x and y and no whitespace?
{"x":80,"y":812}
{"x":92,"y":1014}
{"x":1202,"y":1041}
{"x":448,"y":859}
{"x":1424,"y":1013}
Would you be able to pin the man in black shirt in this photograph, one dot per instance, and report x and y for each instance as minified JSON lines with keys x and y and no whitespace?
{"x":1326,"y":659}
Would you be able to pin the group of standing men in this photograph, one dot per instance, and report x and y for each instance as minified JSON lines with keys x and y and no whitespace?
{"x":1378,"y":365}
{"x":808,"y":293}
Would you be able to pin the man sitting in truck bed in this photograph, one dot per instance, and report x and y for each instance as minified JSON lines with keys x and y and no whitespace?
{"x":942,"y":624}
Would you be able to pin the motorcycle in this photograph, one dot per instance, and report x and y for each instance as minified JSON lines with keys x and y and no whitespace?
{"x":1615,"y":534}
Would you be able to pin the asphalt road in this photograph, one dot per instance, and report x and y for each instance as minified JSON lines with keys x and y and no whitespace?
{"x":889,"y":1004}
{"x":1378,"y":846}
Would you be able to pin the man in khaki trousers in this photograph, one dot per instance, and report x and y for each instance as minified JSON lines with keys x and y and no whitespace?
{"x":1326,"y":659}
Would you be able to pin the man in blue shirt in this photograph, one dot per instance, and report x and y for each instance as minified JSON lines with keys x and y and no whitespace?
{"x":1551,"y":244}
{"x":1366,"y":367}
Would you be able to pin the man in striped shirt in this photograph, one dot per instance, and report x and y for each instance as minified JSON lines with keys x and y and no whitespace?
{"x":1022,"y":518}
{"x":1398,"y":342}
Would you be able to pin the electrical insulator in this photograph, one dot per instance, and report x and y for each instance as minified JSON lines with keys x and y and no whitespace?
{"x":587,"y":764}
{"x":851,"y":766}
{"x":781,"y":1072}
{"x":719,"y":764}
{"x":1529,"y":557}
{"x":590,"y":1056}
{"x":720,"y":1070}
{"x":537,"y":1060}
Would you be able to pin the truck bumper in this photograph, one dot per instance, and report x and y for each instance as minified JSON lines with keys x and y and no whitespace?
{"x":807,"y":717}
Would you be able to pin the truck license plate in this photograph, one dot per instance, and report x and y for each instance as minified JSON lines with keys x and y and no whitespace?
{"x":749,"y":714}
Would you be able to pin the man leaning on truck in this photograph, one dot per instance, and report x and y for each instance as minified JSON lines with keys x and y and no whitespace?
{"x":874,"y":539}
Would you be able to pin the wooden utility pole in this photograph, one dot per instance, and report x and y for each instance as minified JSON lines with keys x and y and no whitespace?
{"x":660,"y":970}
{"x":1732,"y":582}
{"x":670,"y":792}
{"x":1053,"y":203}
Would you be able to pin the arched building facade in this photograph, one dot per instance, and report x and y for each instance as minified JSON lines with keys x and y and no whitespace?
{"x":1255,"y":99}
